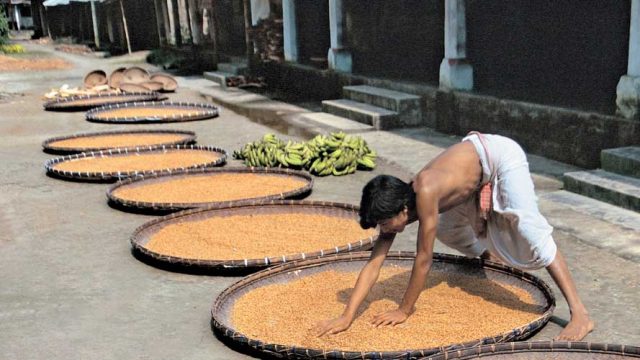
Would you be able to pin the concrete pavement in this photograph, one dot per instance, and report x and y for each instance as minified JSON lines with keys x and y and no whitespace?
{"x":70,"y":289}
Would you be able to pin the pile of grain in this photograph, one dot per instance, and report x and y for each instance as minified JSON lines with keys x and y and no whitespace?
{"x":139,"y":161}
{"x":148,"y":112}
{"x":209,"y":188}
{"x":103,"y":100}
{"x":9,"y":63}
{"x":117,"y":140}
{"x":256,"y":236}
{"x":455,"y":308}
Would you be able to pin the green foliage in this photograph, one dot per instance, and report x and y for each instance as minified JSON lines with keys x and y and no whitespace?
{"x":166,"y":58}
{"x":4,"y":27}
{"x":12,"y":49}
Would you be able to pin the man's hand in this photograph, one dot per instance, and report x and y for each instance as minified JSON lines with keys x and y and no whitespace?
{"x":392,"y":317}
{"x":332,"y":326}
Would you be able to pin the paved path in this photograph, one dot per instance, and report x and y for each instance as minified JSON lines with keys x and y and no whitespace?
{"x":70,"y":289}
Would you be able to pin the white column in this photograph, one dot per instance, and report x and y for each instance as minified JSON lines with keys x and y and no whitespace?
{"x":339,"y":57}
{"x":290,"y":30}
{"x":194,"y":21}
{"x":172,"y":23}
{"x":183,"y":19}
{"x":16,"y":12}
{"x":94,"y":20}
{"x":455,"y":71}
{"x":628,"y":89}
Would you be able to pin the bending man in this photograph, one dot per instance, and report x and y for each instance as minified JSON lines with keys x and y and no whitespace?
{"x":476,"y":197}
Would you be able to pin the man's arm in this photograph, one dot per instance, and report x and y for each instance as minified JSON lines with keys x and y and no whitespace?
{"x":427,"y":209}
{"x":367,"y":277}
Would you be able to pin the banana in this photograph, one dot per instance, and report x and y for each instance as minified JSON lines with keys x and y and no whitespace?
{"x":294,"y":160}
{"x":336,"y":153}
{"x":327,"y":170}
{"x":367,"y":163}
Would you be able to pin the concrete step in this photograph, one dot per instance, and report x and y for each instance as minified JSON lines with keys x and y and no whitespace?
{"x":619,"y":190}
{"x":332,"y":122}
{"x":406,"y":105}
{"x":235,"y":68}
{"x":377,"y":117}
{"x":597,"y":223}
{"x":217,"y":77}
{"x":624,"y":160}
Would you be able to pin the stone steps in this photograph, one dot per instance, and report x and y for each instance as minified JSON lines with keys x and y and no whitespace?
{"x":620,"y":190}
{"x":406,"y":105}
{"x":235,"y":68}
{"x":597,"y":223}
{"x":218,"y":77}
{"x":624,"y":160}
{"x":379,"y":118}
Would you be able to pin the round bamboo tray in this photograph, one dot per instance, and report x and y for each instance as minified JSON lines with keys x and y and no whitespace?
{"x":534,"y":350}
{"x":112,"y":176}
{"x":152,"y":112}
{"x":144,"y":206}
{"x":49,"y":146}
{"x":84,"y":102}
{"x":223,"y":304}
{"x":143,"y":234}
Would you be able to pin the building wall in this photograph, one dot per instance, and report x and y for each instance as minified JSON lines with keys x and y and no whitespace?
{"x":312,"y":18}
{"x":396,"y":38}
{"x":566,"y":53}
{"x":230,"y":17}
{"x":567,"y":135}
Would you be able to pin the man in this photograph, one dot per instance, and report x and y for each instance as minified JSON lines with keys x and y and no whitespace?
{"x":476,"y":197}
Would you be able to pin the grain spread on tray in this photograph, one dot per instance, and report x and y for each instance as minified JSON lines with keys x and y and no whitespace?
{"x":454,"y":308}
{"x":256,"y":236}
{"x":116,"y":140}
{"x":215,"y":187}
{"x":144,"y":161}
{"x":142,"y":112}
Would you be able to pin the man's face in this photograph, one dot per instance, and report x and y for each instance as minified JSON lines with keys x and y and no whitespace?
{"x":395,"y":224}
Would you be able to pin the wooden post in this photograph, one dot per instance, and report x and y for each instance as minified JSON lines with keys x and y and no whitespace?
{"x":94,"y":20}
{"x":247,"y":32}
{"x":214,"y":32}
{"x":158,"y":12}
{"x":192,"y":10}
{"x":126,"y":30}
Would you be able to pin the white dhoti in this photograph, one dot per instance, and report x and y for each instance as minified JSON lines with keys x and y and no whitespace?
{"x":516,"y":232}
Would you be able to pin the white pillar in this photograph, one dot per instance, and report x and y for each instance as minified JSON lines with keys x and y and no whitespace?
{"x":455,"y":71}
{"x":183,"y":19}
{"x":16,"y":12}
{"x":94,"y":20}
{"x":172,"y":23}
{"x":628,"y":89}
{"x":194,"y":21}
{"x":339,"y":57}
{"x":290,"y":30}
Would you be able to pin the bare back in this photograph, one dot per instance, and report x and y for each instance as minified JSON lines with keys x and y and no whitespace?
{"x":453,"y":176}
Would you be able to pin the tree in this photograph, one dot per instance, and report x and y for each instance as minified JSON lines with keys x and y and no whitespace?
{"x":4,"y":26}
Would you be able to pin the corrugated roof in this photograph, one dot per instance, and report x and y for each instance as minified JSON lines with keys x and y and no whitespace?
{"x":49,"y":3}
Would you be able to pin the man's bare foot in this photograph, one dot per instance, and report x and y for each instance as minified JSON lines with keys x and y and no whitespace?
{"x":577,"y":328}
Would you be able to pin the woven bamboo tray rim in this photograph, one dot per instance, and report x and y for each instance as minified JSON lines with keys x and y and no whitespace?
{"x":76,"y":101}
{"x":83,"y":175}
{"x":140,"y":233}
{"x":288,"y":351}
{"x":159,"y":206}
{"x":189,"y":137}
{"x":582,"y":347}
{"x":200,"y":111}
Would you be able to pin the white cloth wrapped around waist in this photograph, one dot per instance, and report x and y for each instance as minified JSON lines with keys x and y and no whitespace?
{"x":516,"y":231}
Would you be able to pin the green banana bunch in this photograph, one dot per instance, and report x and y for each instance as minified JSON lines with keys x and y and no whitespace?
{"x":334,"y":154}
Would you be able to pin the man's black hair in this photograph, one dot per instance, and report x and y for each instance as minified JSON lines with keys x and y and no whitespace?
{"x":384,"y":197}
